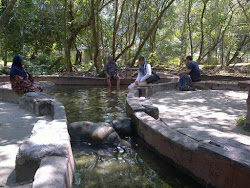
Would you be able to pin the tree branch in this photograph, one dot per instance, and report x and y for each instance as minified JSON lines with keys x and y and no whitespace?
{"x":150,"y":32}
{"x":244,"y":11}
{"x":5,"y":17}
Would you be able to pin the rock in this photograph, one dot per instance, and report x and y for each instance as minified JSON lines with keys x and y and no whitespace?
{"x":113,"y":139}
{"x":152,"y":111}
{"x":122,"y":126}
{"x":99,"y":133}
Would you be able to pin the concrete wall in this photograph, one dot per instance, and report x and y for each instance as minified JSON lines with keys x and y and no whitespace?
{"x":46,"y":157}
{"x":212,"y":165}
{"x":79,"y":80}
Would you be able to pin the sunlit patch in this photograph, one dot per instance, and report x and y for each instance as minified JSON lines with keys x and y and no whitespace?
{"x":27,"y":117}
{"x":239,"y":95}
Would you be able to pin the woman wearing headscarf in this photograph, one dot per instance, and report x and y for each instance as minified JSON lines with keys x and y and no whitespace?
{"x":144,"y":72}
{"x":20,"y":79}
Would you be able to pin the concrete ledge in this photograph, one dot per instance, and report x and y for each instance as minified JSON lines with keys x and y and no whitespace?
{"x":7,"y":94}
{"x":46,"y":157}
{"x":224,"y":78}
{"x":79,"y":80}
{"x":48,"y":150}
{"x":222,"y":164}
{"x":218,"y":85}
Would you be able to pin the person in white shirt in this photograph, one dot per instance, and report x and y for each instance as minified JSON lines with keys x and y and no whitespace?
{"x":144,"y":72}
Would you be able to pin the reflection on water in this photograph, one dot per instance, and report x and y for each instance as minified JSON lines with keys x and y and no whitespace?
{"x":105,"y":166}
{"x":91,"y":103}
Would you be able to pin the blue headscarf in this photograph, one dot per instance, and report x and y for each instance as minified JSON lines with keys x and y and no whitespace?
{"x":17,"y":68}
{"x":142,"y":67}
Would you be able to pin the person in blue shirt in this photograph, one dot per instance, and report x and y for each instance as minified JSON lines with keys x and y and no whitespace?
{"x":193,"y":71}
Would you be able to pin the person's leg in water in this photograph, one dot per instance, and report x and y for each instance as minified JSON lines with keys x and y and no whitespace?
{"x":108,"y":80}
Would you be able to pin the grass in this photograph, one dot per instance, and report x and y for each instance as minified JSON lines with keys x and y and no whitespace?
{"x":240,"y":120}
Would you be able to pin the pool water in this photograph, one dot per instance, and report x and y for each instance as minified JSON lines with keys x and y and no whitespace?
{"x":106,"y":166}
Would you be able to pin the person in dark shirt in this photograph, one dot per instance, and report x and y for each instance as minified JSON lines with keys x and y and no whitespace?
{"x":193,"y":71}
{"x":111,"y":71}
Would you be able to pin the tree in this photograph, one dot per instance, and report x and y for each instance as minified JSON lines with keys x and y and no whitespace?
{"x":5,"y":16}
{"x":154,"y":25}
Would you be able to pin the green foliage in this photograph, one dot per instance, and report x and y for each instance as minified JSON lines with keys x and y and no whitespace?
{"x":4,"y":70}
{"x":240,"y":120}
{"x":40,"y":65}
{"x":45,"y":27}
{"x":153,"y":59}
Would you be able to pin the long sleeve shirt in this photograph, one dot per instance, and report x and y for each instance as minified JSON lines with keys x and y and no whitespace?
{"x":147,"y":73}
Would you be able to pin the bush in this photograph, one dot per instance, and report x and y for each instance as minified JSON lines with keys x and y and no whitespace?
{"x":4,"y":70}
{"x":41,"y":64}
{"x":240,"y":120}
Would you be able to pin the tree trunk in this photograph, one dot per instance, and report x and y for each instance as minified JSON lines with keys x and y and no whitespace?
{"x":6,"y":45}
{"x":220,"y":36}
{"x":116,"y":24}
{"x":114,"y":29}
{"x":74,"y":31}
{"x":244,"y":42}
{"x":68,"y":56}
{"x":150,"y":32}
{"x":202,"y":31}
{"x":183,"y":38}
{"x":244,"y":11}
{"x":56,"y":62}
{"x":222,"y":53}
{"x":134,"y":36}
{"x":95,"y":37}
{"x":6,"y":14}
{"x":189,"y":28}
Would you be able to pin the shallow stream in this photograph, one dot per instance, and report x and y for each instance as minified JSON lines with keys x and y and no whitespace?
{"x":106,"y":166}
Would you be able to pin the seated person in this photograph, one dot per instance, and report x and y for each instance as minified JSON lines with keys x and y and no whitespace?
{"x":144,"y":72}
{"x":21,"y":81}
{"x":111,"y":71}
{"x":193,"y":71}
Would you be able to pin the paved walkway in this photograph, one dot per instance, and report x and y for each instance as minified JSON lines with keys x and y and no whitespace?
{"x":15,"y":127}
{"x":205,"y":115}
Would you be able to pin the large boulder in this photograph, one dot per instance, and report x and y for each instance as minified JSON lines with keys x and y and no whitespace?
{"x":122,"y":126}
{"x":99,"y":133}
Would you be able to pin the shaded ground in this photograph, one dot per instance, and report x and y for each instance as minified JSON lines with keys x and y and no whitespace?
{"x":204,"y":115}
{"x":15,"y":127}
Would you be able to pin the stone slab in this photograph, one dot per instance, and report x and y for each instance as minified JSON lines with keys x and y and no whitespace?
{"x":47,"y":139}
{"x":51,"y":173}
{"x":37,"y":102}
{"x":15,"y":127}
{"x":217,"y":109}
{"x":244,"y":83}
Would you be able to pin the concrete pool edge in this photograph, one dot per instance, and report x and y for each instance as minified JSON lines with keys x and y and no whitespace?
{"x":208,"y":163}
{"x":48,"y":161}
{"x":80,"y":80}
